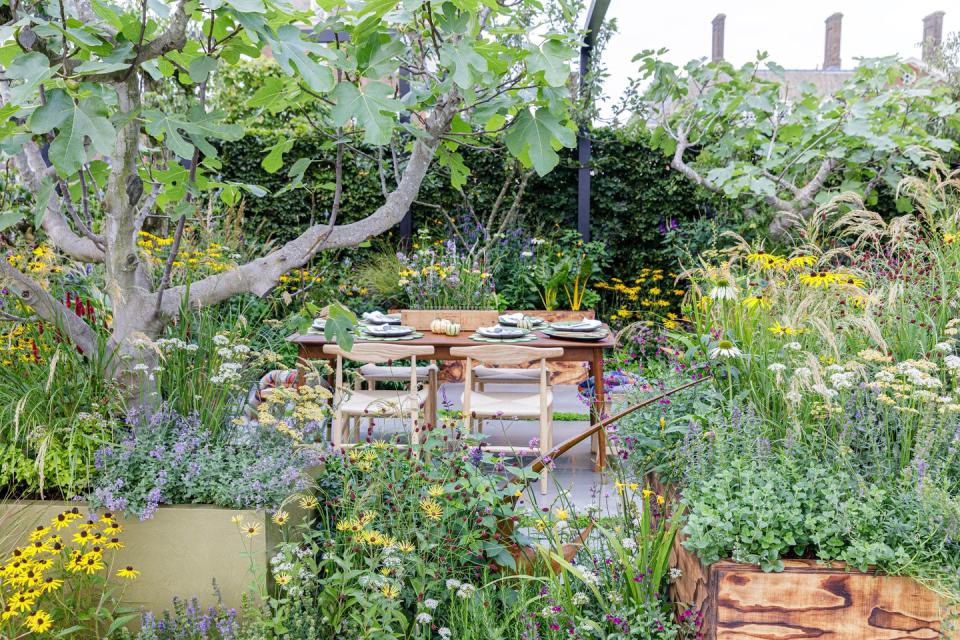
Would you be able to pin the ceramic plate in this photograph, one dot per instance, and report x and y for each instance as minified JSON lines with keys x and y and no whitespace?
{"x":513,"y":319}
{"x":577,"y":325}
{"x":502,"y":332}
{"x":586,"y":336}
{"x":377,"y":318}
{"x":388,"y":330}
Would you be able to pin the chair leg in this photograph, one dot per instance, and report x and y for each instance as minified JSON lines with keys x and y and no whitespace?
{"x":415,"y":432}
{"x":480,"y":388}
{"x":544,"y":448}
{"x":337,"y":430}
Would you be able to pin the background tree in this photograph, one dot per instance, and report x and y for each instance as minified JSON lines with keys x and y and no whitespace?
{"x":99,"y":158}
{"x":736,"y":132}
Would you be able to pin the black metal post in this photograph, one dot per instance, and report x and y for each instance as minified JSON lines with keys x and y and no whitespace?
{"x":592,"y":25}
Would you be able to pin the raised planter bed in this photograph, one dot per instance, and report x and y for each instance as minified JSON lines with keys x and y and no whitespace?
{"x":807,"y":599}
{"x":179,"y":551}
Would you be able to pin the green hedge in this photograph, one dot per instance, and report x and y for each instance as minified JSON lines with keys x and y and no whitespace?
{"x":633,"y":192}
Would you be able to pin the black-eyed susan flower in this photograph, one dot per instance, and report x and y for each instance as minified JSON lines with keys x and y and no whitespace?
{"x":128,"y":573}
{"x":252,"y":529}
{"x":113,"y":544}
{"x":756,"y":301}
{"x":280,"y":517}
{"x":91,"y":563}
{"x":308,"y":502}
{"x":435,"y":491}
{"x":50,"y":584}
{"x":561,"y":514}
{"x":282,"y":579}
{"x":818,"y":279}
{"x":39,"y":621}
{"x":38,"y":533}
{"x":21,"y":602}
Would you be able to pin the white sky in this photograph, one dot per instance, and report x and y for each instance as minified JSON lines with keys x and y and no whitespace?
{"x":790,"y":31}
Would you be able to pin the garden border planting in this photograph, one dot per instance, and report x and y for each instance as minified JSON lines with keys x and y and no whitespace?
{"x":182,"y":549}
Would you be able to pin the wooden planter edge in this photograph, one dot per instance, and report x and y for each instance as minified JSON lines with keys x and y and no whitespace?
{"x":740,"y":601}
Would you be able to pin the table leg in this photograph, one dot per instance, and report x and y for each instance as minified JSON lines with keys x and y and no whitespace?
{"x":597,"y":409}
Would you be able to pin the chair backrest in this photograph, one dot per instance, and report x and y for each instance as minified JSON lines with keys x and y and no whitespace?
{"x":377,"y":352}
{"x":504,"y":354}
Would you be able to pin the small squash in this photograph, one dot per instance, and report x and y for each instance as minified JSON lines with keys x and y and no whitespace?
{"x":452,"y":329}
{"x":526,"y":322}
{"x":438,"y":325}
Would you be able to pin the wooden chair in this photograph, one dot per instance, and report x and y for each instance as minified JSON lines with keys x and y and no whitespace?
{"x":358,"y":403}
{"x":537,"y":405}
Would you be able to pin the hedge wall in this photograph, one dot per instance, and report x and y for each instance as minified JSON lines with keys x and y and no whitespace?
{"x":633,"y":192}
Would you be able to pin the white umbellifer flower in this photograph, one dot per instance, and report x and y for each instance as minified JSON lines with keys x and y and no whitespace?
{"x":843,"y":380}
{"x":793,"y":397}
{"x":952,"y":362}
{"x":629,"y":543}
{"x":580,"y":598}
{"x":466,"y":590}
{"x":526,"y":254}
{"x":792,"y":346}
{"x":221,"y":340}
{"x":424,"y":618}
{"x":802,"y":372}
{"x":453,"y":584}
{"x":724,"y":292}
{"x":591,"y":579}
{"x":777,"y":367}
{"x":192,"y":347}
{"x":675,"y":573}
{"x":944,"y":347}
{"x":430,"y":603}
{"x":725,"y":349}
{"x":536,"y":241}
{"x":834,"y":368}
{"x":140,"y":367}
{"x":444,"y":633}
{"x":225,"y":352}
{"x":614,"y":597}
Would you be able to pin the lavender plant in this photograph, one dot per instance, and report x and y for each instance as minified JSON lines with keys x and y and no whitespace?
{"x":168,"y":458}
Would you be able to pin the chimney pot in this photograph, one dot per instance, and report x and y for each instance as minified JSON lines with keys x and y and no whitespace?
{"x":719,"y":21}
{"x":831,"y":47}
{"x":932,"y":34}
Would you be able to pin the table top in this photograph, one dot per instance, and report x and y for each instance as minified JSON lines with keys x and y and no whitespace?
{"x":463,"y":340}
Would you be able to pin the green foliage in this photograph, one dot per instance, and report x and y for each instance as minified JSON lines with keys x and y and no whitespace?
{"x":633,"y":193}
{"x":742,"y":135}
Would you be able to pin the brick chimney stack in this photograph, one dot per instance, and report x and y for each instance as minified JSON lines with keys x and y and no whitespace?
{"x":716,"y":53}
{"x":932,"y":34}
{"x":831,"y":47}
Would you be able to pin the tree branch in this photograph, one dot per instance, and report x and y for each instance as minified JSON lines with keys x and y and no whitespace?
{"x":261,"y":275}
{"x":50,"y":309}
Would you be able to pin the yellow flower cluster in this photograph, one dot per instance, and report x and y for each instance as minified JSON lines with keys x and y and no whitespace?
{"x":212,"y":259}
{"x":816,"y":279}
{"x":16,"y":345}
{"x":34,"y":574}
{"x":647,"y":296}
{"x":287,"y":409}
{"x":625,"y":488}
{"x":40,"y":261}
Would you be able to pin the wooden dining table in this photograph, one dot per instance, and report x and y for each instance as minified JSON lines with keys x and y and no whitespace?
{"x":311,"y":348}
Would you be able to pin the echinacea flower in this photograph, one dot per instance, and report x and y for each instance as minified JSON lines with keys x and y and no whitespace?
{"x":725,"y":349}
